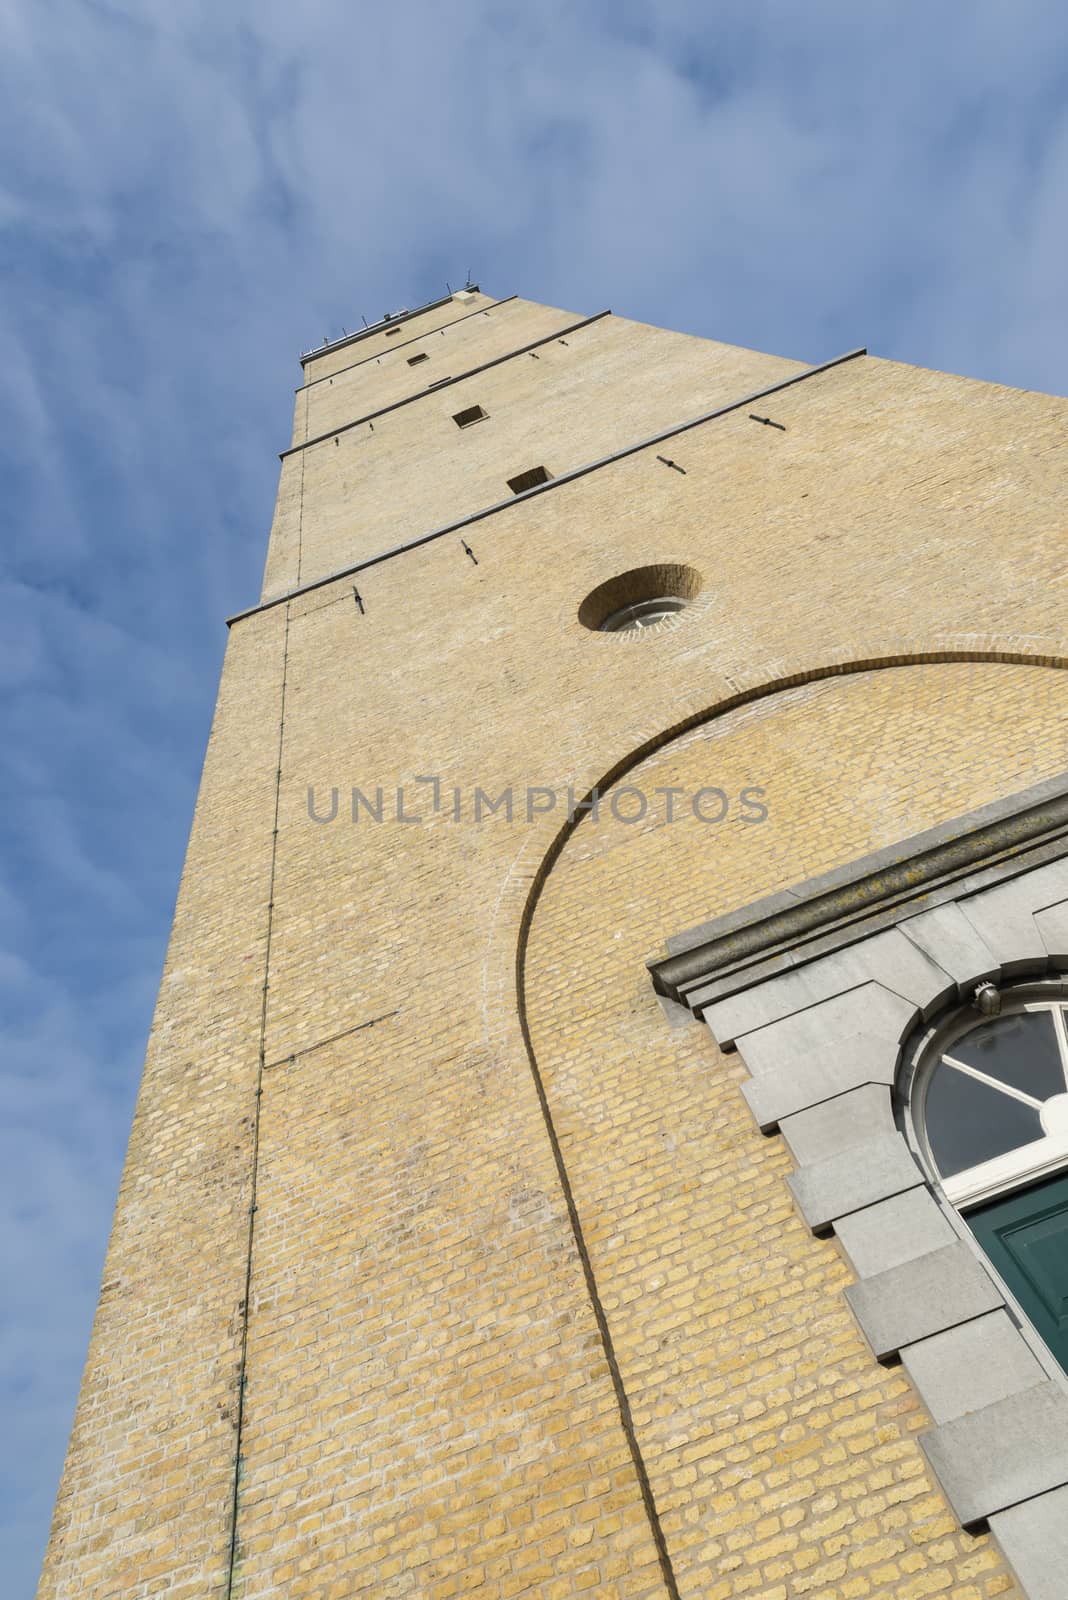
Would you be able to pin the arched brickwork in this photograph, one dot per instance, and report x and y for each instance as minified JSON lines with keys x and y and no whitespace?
{"x":616,"y":1270}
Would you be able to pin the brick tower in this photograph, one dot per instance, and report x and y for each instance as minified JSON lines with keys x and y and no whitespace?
{"x":641,"y":748}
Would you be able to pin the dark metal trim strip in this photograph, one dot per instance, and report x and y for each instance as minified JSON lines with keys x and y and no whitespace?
{"x":442,"y":383}
{"x":543,"y":488}
{"x":302,"y":388}
{"x":376,"y":327}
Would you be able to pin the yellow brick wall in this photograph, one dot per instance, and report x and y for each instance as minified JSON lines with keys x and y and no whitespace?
{"x":379,"y":377}
{"x":143,"y":1503}
{"x":781,"y":1454}
{"x":430,"y":1407}
{"x":338,"y":357}
{"x":362,"y":491}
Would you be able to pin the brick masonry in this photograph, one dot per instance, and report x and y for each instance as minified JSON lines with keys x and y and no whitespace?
{"x":530,"y":1311}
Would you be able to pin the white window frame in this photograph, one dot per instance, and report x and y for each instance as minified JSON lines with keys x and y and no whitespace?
{"x":1016,"y":1169}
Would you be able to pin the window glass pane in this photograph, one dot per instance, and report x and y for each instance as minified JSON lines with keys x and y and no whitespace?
{"x":967,"y":1122}
{"x":642,"y":614}
{"x":1020,"y":1049}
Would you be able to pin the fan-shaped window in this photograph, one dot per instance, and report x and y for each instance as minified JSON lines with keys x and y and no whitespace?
{"x":994,"y":1104}
{"x":992,"y":1112}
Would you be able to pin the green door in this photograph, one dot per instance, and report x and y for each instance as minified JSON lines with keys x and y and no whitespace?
{"x":1026,"y":1238}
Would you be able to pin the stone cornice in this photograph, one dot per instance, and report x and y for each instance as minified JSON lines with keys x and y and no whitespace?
{"x":810,"y":920}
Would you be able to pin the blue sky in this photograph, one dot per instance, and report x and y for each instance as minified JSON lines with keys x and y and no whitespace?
{"x":189,"y":196}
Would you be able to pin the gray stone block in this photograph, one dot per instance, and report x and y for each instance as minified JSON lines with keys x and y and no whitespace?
{"x":971,"y":1366}
{"x":886,"y":958}
{"x":678,"y":1016}
{"x":826,"y":1130}
{"x":921,"y":1297}
{"x":1004,"y":919}
{"x":702,"y":995}
{"x":1049,"y":883}
{"x":870,"y":1010}
{"x":1034,"y":1540}
{"x":854,"y":1178}
{"x":893,"y":1232}
{"x":1052,"y":925}
{"x":949,"y":938}
{"x":810,"y":1079}
{"x":1010,"y":1451}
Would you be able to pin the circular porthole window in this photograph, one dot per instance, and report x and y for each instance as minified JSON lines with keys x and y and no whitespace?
{"x":640,"y":598}
{"x":642,"y":614}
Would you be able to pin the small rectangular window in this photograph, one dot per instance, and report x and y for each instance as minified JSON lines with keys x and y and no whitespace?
{"x":464,"y":419}
{"x":391,"y":331}
{"x":529,"y":479}
{"x":413,"y":361}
